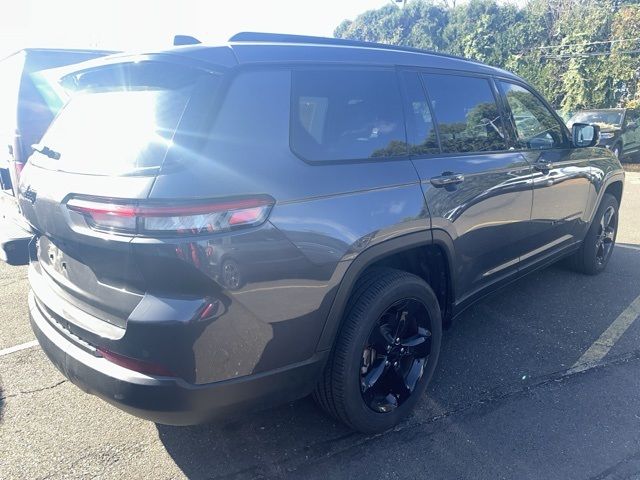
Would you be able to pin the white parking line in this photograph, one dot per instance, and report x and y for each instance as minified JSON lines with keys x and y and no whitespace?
{"x":17,"y":348}
{"x":608,"y":339}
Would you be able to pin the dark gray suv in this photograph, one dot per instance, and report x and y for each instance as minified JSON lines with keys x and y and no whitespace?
{"x":230,"y":227}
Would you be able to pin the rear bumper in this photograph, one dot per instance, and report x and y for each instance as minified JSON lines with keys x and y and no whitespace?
{"x":170,"y":400}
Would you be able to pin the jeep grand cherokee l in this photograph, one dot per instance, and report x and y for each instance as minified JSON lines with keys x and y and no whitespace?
{"x":226,"y":227}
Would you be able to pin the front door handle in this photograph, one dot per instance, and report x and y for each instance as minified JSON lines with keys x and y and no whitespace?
{"x":447,"y":178}
{"x":543,"y":165}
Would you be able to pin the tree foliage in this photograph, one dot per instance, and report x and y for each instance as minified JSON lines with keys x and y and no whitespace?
{"x":578,"y":53}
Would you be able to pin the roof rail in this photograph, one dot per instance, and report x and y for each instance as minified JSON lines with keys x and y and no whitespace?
{"x":261,"y":37}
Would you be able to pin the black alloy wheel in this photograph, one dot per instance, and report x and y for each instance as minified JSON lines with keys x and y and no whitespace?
{"x":606,"y":235}
{"x":395,"y":356}
{"x":597,"y":246}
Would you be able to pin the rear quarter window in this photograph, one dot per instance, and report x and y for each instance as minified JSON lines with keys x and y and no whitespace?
{"x":466,"y":113}
{"x":346,"y":114}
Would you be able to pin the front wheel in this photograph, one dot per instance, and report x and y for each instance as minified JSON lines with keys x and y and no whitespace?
{"x":385,"y":353}
{"x":598,"y":243}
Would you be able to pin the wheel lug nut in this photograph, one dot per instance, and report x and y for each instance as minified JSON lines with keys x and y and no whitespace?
{"x":397,"y":340}
{"x":402,"y":350}
{"x":387,"y":362}
{"x":395,"y":364}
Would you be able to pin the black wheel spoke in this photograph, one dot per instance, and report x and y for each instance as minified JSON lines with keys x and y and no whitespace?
{"x":606,"y":235}
{"x":384,"y":334}
{"x":375,"y":372}
{"x":398,"y":382}
{"x":417,"y":339}
{"x":400,"y":318}
{"x":608,"y":215}
{"x":419,"y":344}
{"x":414,"y":374}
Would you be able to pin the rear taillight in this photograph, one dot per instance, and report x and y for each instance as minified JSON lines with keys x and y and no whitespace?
{"x":148,"y":218}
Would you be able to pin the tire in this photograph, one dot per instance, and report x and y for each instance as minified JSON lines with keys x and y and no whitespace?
{"x":597,"y":247}
{"x":350,"y":390}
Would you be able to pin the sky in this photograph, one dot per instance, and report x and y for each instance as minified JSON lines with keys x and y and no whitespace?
{"x":149,"y":24}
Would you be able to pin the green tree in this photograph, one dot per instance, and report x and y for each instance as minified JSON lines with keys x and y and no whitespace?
{"x":577,"y":53}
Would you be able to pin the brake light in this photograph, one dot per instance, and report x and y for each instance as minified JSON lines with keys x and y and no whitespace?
{"x":155,"y":218}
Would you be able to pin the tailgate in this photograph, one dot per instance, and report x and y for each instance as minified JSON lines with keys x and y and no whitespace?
{"x":94,"y":272}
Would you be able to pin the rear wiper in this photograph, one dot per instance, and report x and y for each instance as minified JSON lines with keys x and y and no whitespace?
{"x":44,"y":150}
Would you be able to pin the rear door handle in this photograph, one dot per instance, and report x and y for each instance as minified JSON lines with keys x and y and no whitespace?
{"x":447,"y":178}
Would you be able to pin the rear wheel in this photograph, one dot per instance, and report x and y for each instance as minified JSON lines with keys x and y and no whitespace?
{"x":598,"y":243}
{"x":385,"y":353}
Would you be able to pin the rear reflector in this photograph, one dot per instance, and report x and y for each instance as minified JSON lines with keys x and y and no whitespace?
{"x":153,"y":218}
{"x":136,"y":365}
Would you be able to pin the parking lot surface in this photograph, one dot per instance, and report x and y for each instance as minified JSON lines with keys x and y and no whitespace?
{"x":540,"y":380}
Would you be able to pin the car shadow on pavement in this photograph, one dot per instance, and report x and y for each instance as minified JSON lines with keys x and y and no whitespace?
{"x":533,"y":329}
{"x":254,"y":445}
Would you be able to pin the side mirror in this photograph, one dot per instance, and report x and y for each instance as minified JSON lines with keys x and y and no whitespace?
{"x":632,"y":125}
{"x":584,"y":134}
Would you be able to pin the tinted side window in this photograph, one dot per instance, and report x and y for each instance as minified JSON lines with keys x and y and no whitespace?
{"x":346,"y":114}
{"x":421,"y":130}
{"x":253,"y":114}
{"x":466,"y":113}
{"x":536,"y":127}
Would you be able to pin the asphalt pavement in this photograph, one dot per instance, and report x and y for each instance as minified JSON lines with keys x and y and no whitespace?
{"x":513,"y":397}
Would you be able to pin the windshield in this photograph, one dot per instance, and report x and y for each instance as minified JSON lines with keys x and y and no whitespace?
{"x":123,"y":118}
{"x":602,"y":118}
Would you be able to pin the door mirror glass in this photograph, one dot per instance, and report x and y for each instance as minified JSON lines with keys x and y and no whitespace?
{"x":584,"y":134}
{"x":632,"y":125}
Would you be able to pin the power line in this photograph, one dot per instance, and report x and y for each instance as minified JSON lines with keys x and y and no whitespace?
{"x":587,"y":44}
{"x":589,"y":54}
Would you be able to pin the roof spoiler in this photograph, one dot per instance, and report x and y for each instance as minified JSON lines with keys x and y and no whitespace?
{"x":185,"y":40}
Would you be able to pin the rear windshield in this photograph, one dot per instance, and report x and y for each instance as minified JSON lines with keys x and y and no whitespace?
{"x":122,"y":119}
